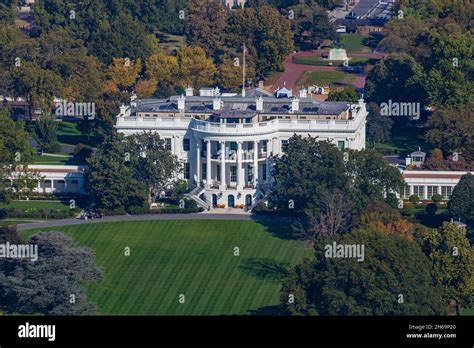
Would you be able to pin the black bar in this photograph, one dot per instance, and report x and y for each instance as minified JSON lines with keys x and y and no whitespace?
{"x":141,"y":330}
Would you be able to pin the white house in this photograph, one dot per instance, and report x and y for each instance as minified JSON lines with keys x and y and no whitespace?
{"x":226,"y":142}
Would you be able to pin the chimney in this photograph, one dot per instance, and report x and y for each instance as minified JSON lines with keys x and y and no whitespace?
{"x":295,"y":105}
{"x":259,"y":104}
{"x":189,"y":92}
{"x":216,"y":104}
{"x":303,"y":93}
{"x":181,"y":103}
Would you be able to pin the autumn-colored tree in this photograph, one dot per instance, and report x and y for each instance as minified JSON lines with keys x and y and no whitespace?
{"x":162,"y":68}
{"x":436,"y":160}
{"x":145,"y":88}
{"x":195,"y":69}
{"x":124,"y":72}
{"x":387,"y":220}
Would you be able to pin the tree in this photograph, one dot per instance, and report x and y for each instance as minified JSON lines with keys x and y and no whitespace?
{"x":398,"y":77}
{"x":393,"y":279}
{"x":46,"y":285}
{"x":46,"y":134}
{"x":461,"y":204}
{"x":123,"y":73}
{"x":229,"y":75}
{"x":110,"y":178}
{"x":452,"y":256}
{"x":386,"y":219}
{"x":205,"y":26}
{"x":195,"y":69}
{"x":333,"y":213}
{"x":266,"y":33}
{"x":123,"y":37}
{"x":153,"y":164}
{"x":307,"y":167}
{"x":372,"y":176}
{"x":378,"y":126}
{"x":310,"y":25}
{"x":162,"y":68}
{"x":431,"y":209}
{"x":37,"y":85}
{"x":14,"y":151}
{"x":145,"y":88}
{"x":348,"y":94}
{"x":435,"y":161}
{"x":452,"y":129}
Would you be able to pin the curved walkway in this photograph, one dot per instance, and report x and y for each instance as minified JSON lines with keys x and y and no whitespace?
{"x":147,"y":217}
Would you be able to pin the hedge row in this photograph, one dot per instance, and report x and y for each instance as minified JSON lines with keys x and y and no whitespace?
{"x":16,"y":213}
{"x":139,"y":211}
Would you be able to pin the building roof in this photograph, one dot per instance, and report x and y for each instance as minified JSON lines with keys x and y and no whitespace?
{"x":244,"y":105}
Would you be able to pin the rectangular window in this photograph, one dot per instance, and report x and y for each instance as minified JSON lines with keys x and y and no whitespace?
{"x":264,"y":172}
{"x":168,"y":144}
{"x":204,"y":170}
{"x":265,"y":146}
{"x":406,"y":191}
{"x":249,"y":174}
{"x":341,"y":145}
{"x":446,"y":192}
{"x":187,"y":171}
{"x":284,"y":145}
{"x":432,"y":190}
{"x":233,"y":174}
{"x":186,"y":144}
{"x":218,"y":168}
{"x":419,"y":191}
{"x":233,"y":145}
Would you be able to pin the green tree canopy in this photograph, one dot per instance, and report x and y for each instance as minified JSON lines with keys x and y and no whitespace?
{"x":393,"y":279}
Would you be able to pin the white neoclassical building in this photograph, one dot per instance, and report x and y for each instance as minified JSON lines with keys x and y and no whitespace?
{"x":227,"y":141}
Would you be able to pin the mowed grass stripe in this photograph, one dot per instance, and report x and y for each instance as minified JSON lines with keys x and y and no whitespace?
{"x":194,"y":257}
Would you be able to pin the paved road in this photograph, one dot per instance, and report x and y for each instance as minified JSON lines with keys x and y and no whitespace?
{"x":207,"y":216}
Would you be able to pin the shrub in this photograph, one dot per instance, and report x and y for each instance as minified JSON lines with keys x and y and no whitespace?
{"x":431,"y":209}
{"x":436,"y":198}
{"x":408,"y":209}
{"x":190,"y":204}
{"x":414,"y":199}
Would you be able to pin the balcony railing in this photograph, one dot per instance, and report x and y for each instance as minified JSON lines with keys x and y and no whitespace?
{"x":239,"y":128}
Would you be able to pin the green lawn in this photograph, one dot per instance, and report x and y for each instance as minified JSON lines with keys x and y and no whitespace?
{"x":36,"y":205}
{"x":170,"y":42}
{"x":56,"y":160}
{"x":15,"y":221}
{"x":194,"y":258}
{"x":319,"y":61}
{"x":324,"y":77}
{"x":404,"y":140}
{"x":69,"y":133}
{"x":354,"y":42}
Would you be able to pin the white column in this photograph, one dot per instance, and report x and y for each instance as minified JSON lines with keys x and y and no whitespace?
{"x":268,"y":163}
{"x":255,"y":163}
{"x":208,"y":163}
{"x":198,"y":161}
{"x":239,"y":166}
{"x":223,"y":185}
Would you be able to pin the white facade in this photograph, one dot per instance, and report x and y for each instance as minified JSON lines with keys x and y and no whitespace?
{"x":59,"y":179}
{"x":425,"y":184}
{"x":227,"y":143}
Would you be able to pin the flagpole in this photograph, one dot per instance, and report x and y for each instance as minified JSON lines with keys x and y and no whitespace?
{"x":243,"y":74}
